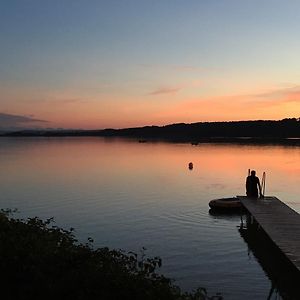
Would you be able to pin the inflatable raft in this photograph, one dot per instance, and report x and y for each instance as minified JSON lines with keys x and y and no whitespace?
{"x":226,"y":203}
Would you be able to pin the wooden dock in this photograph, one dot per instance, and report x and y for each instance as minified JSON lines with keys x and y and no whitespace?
{"x":280,"y":223}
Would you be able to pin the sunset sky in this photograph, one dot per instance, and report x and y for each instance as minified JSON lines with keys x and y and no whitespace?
{"x":98,"y":64}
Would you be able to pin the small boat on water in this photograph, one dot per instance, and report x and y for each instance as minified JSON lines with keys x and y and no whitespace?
{"x":232,"y":203}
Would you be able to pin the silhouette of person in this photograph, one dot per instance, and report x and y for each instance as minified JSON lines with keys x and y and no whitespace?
{"x":252,"y":185}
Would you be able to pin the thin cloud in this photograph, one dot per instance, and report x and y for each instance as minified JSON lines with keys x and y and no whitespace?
{"x":277,"y":97}
{"x":175,"y":89}
{"x":165,"y":91}
{"x":275,"y":104}
{"x":179,"y":68}
{"x":68,"y":101}
{"x":286,"y":93}
{"x":11,"y":121}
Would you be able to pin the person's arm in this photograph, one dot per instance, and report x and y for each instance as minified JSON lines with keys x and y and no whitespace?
{"x":259,"y":186}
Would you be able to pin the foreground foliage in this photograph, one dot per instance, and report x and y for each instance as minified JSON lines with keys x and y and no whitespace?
{"x":40,"y":261}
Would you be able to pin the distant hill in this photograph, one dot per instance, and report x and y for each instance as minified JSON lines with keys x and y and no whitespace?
{"x":260,"y":130}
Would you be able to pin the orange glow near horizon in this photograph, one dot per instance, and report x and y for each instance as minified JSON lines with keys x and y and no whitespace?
{"x":64,"y":110}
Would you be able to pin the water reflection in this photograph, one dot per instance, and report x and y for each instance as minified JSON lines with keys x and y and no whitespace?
{"x":285,"y":278}
{"x":226,"y":214}
{"x":130,"y":195}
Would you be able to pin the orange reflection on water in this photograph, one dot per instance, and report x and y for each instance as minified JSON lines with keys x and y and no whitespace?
{"x":218,"y":169}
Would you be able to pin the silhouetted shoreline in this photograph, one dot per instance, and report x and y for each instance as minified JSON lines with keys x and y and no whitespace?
{"x":286,"y":131}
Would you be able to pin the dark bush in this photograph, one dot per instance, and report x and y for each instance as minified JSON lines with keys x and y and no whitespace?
{"x":40,"y":261}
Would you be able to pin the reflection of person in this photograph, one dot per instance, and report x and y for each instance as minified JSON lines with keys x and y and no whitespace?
{"x":252,"y":185}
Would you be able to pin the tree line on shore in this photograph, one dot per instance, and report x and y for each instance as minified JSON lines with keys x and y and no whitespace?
{"x":260,"y":129}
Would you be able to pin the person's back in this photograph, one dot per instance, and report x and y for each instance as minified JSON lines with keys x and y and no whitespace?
{"x":252,"y":185}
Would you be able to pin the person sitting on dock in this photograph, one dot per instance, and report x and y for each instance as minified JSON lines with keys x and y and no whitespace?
{"x":252,"y":185}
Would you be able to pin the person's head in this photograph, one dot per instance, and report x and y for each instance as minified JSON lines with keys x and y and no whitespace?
{"x":253,"y":173}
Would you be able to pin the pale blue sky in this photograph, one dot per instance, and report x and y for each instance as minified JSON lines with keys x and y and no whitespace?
{"x":134,"y":48}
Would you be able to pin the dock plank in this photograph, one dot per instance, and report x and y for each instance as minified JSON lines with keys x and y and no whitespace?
{"x":280,"y":222}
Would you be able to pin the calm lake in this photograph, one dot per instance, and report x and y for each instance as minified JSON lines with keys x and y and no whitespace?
{"x":129,"y":195}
